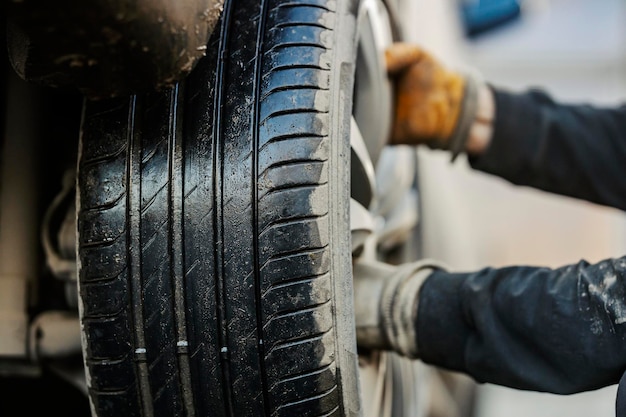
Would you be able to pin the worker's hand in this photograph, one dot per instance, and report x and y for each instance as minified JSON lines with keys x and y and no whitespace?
{"x":435,"y":106}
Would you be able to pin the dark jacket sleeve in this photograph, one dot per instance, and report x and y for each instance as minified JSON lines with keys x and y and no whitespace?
{"x":573,"y":150}
{"x":554,"y":330}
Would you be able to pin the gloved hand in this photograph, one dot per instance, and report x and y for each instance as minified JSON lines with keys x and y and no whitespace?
{"x":435,"y":106}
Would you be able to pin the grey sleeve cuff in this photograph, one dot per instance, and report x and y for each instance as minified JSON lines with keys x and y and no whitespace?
{"x":466,"y":117}
{"x":400,"y":303}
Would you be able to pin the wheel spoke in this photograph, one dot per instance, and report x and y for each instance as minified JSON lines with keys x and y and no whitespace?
{"x":362,"y":169}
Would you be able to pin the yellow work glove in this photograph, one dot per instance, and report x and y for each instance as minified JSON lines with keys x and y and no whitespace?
{"x":434,"y":106}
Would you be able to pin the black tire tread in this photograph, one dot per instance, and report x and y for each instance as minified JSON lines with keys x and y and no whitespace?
{"x":164,"y":184}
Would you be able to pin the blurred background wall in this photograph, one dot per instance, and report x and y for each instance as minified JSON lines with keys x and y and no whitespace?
{"x":576,"y":50}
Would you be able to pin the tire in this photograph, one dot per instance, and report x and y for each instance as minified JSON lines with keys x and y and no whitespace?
{"x":213,"y":227}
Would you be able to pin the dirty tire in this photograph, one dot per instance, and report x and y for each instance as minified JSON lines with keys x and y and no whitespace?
{"x":213,"y":224}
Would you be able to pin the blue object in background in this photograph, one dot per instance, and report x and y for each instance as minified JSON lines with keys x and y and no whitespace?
{"x":480,"y":16}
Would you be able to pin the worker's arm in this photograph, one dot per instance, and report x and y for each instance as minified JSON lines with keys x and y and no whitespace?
{"x":574,"y":150}
{"x":560,"y":331}
{"x":526,"y":138}
{"x":553,"y":330}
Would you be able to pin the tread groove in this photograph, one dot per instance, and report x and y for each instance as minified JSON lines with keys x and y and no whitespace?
{"x":177,"y":247}
{"x":298,"y":341}
{"x":280,"y":46}
{"x":108,"y":361}
{"x":294,"y":66}
{"x":134,"y":256}
{"x":149,"y":155}
{"x":303,"y":400}
{"x":297,"y":4}
{"x":282,"y":25}
{"x":107,"y":206}
{"x":150,"y":240}
{"x":152,"y":199}
{"x":291,"y":111}
{"x":293,"y":281}
{"x":218,"y":250}
{"x":294,"y":312}
{"x":292,"y":162}
{"x":303,"y":374}
{"x":111,"y":316}
{"x":104,"y":158}
{"x":292,"y":220}
{"x":281,"y":138}
{"x":103,"y":243}
{"x":293,"y":187}
{"x":280,"y":88}
{"x":293,"y":253}
{"x":331,"y":412}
